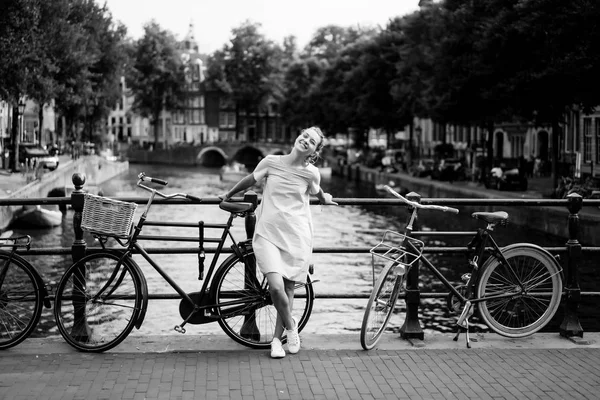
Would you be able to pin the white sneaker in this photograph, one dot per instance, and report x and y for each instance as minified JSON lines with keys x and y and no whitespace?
{"x":277,"y":349}
{"x":293,"y":339}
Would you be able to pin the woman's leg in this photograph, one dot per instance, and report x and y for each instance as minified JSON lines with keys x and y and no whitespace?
{"x":281,"y":301}
{"x":289,"y":290}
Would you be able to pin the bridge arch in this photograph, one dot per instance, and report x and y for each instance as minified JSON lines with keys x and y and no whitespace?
{"x":249,"y":156}
{"x":212,"y":156}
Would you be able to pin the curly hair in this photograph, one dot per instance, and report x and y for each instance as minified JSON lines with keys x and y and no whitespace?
{"x":315,"y":156}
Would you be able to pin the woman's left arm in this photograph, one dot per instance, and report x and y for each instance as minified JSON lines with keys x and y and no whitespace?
{"x":325,"y":198}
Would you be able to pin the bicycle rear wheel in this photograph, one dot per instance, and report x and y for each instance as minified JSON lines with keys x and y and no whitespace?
{"x":534,"y":276}
{"x":381,"y":305}
{"x":97,"y":302}
{"x":244,"y":304}
{"x":21,"y":299}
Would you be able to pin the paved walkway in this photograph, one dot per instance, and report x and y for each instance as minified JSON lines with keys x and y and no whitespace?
{"x":544,"y":366}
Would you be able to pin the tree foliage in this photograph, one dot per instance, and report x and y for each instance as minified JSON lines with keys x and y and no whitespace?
{"x":246,"y":68}
{"x":156,"y":77}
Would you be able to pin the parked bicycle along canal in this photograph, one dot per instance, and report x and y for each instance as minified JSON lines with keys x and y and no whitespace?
{"x":343,"y":226}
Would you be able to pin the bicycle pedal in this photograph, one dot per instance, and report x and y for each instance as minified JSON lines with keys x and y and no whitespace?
{"x":179,"y":329}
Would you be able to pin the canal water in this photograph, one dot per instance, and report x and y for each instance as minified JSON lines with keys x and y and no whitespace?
{"x":343,"y":226}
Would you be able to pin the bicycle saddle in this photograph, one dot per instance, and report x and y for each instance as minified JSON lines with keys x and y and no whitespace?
{"x":492,"y":217}
{"x":237,"y":208}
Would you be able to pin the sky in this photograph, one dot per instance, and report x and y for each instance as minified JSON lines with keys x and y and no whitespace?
{"x":213,"y":20}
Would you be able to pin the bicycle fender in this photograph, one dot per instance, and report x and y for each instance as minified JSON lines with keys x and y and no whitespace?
{"x":141,"y":313}
{"x":533,"y":247}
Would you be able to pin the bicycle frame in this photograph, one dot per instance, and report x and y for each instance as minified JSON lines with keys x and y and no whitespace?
{"x":201,"y":303}
{"x":481,"y":239}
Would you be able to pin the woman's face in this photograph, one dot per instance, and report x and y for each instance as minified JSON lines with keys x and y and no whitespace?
{"x":308,"y":141}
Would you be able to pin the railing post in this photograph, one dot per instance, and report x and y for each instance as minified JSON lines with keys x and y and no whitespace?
{"x":249,"y":329}
{"x":79,"y":246}
{"x":570,"y":325}
{"x":80,"y":328}
{"x":412,"y":327}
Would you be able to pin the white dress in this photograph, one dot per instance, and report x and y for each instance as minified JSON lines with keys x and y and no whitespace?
{"x":283,"y":238}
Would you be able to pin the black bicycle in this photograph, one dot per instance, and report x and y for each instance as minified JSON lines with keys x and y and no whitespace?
{"x":516,"y":290}
{"x":104,"y":295}
{"x":22,"y":292}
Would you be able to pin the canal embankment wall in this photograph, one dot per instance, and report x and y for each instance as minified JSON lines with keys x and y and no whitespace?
{"x":97,"y":170}
{"x":551,"y":220}
{"x":184,"y":156}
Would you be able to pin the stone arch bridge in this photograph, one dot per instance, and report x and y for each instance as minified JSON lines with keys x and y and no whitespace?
{"x":218,"y":154}
{"x":214,"y":154}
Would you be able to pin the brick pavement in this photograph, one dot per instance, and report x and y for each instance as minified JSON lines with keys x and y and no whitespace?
{"x":538,"y":370}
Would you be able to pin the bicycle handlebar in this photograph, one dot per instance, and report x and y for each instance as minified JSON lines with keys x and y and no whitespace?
{"x":419,"y":205}
{"x":143,"y":178}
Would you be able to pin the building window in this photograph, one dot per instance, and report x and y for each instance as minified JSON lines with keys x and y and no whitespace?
{"x":517,"y":146}
{"x":597,"y":129}
{"x":196,"y":116}
{"x":271,"y":128}
{"x":587,"y":140}
{"x":227,"y":119}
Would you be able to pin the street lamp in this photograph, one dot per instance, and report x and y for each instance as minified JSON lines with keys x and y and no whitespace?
{"x":21,"y":107}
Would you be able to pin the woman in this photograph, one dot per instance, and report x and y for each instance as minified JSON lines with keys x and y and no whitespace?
{"x":283,"y":236}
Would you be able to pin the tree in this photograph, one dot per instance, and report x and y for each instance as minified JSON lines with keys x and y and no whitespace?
{"x":17,"y":46}
{"x":157,"y":77}
{"x":545,"y":71}
{"x":244,"y":70}
{"x":301,"y":85}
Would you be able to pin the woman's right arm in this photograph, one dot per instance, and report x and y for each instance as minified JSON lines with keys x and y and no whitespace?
{"x":243,"y":184}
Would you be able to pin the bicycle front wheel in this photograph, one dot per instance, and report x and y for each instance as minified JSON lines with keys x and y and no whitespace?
{"x":97,"y":302}
{"x":381,"y":305}
{"x":20,"y":300}
{"x":533,"y":276}
{"x":243,"y":302}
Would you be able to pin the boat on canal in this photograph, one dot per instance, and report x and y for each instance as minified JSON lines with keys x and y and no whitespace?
{"x":233,"y":173}
{"x":37,"y":216}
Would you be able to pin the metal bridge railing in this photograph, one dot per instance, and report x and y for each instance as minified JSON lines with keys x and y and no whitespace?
{"x":573,"y":249}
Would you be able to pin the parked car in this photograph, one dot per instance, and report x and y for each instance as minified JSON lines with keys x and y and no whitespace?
{"x":422,"y":168}
{"x":32,"y":154}
{"x":89,"y":148}
{"x":449,"y":169}
{"x":506,"y":178}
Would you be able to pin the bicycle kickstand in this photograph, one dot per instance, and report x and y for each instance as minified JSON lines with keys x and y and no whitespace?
{"x":463,"y":323}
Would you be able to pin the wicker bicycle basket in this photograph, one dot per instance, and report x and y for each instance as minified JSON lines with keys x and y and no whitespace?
{"x":107,"y":217}
{"x":394,"y":247}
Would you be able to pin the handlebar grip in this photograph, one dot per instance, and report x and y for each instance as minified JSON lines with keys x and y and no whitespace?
{"x":193,"y":198}
{"x":159,"y":181}
{"x":452,"y":210}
